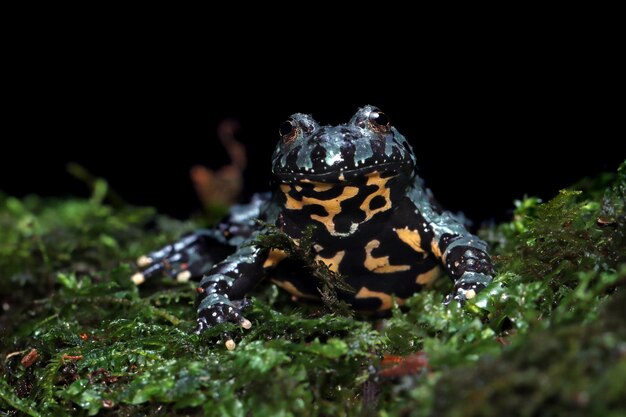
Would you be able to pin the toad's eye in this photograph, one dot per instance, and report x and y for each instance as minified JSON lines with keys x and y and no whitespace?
{"x":289,"y":131}
{"x":379,"y":122}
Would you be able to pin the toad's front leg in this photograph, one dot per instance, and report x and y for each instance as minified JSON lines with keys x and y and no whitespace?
{"x":221,"y":292}
{"x":463,"y":255}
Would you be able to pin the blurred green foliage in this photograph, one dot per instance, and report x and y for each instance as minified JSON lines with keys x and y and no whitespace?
{"x":548,"y":337}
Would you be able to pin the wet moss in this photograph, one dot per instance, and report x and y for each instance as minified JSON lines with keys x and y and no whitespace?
{"x":571,"y":369}
{"x":546,"y":338}
{"x":330,"y":282}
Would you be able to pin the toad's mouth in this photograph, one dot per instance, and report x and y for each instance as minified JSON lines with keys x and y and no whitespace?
{"x":344,"y":175}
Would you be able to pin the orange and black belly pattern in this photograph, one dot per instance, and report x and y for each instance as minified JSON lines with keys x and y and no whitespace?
{"x":359,"y":234}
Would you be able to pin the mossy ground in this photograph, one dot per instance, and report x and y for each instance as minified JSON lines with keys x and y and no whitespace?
{"x":548,"y":337}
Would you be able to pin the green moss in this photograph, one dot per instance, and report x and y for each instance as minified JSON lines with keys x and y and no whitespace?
{"x":546,"y":338}
{"x":563,"y":370}
{"x":330,"y":282}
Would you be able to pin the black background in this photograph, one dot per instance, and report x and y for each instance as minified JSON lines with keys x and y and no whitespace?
{"x":483,"y":136}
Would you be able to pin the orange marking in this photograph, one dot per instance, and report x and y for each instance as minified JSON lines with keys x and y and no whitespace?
{"x":429,"y":277}
{"x":274,"y":257}
{"x":386,"y":299}
{"x":411,"y":238}
{"x":380,"y":265}
{"x":434,"y":248}
{"x":332,"y":263}
{"x":322,"y":186}
{"x":374,"y":178}
{"x":332,"y":206}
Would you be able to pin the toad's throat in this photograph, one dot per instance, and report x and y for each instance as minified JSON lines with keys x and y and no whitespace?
{"x":342,"y":175}
{"x":327,"y":200}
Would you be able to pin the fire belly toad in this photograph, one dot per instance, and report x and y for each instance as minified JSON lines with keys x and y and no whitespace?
{"x":376,"y":224}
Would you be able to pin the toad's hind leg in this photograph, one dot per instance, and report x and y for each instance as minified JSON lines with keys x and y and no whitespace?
{"x":196,"y":253}
{"x":190,"y":257}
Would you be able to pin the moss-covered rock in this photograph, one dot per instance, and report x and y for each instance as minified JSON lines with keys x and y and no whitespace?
{"x":546,"y":338}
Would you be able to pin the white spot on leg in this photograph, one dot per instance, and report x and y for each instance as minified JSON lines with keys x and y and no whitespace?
{"x":138,"y":278}
{"x":143,"y":261}
{"x":183,"y":276}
